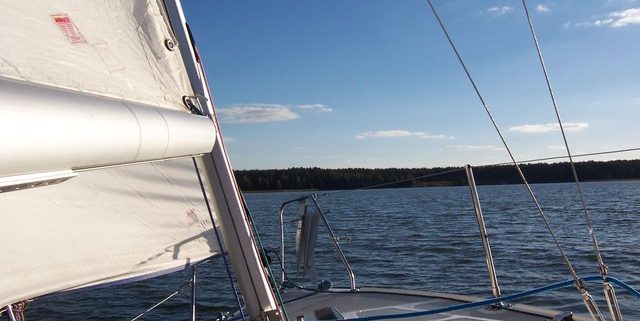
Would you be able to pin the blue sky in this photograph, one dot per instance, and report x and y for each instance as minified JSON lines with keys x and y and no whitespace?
{"x":374,"y":84}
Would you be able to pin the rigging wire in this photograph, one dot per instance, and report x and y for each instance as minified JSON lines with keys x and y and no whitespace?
{"x":184,"y":286}
{"x":224,"y":255}
{"x":216,"y":122}
{"x":578,"y":282}
{"x":263,"y":255}
{"x":459,"y":169}
{"x":602,"y":268}
{"x":563,"y":157}
{"x":392,"y":183}
{"x":612,"y":302}
{"x":411,"y":179}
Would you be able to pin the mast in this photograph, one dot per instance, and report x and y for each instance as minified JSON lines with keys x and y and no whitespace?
{"x":260,"y":300}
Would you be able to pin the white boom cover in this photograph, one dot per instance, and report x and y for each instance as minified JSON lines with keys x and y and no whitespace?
{"x":113,"y":48}
{"x":104,"y":226}
{"x":47,"y":129}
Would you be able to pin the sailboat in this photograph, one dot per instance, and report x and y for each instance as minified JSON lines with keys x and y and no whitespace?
{"x":113,"y":169}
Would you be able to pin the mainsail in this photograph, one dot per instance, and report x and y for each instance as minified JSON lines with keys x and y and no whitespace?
{"x":85,"y":86}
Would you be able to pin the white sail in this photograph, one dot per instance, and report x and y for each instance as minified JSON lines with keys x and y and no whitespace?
{"x":89,"y":84}
{"x":85,"y":85}
{"x":103,"y":226}
{"x":113,"y":48}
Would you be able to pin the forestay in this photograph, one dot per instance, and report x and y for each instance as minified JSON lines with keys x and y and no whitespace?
{"x":109,"y":225}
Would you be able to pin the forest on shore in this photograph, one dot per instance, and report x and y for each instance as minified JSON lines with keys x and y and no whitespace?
{"x":302,"y":178}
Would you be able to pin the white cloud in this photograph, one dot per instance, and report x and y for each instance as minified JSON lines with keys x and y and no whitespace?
{"x":616,"y":19}
{"x":500,"y":10}
{"x":397,"y":133}
{"x":255,"y":114}
{"x":316,"y":107}
{"x":265,"y":113}
{"x":602,"y":22}
{"x":542,"y":8}
{"x":556,"y":147}
{"x":474,"y":147}
{"x":546,"y":128}
{"x":626,"y":17}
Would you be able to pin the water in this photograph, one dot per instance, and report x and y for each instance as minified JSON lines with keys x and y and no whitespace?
{"x":422,"y":238}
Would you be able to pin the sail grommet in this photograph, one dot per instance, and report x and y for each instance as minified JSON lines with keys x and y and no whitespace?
{"x":170,"y":44}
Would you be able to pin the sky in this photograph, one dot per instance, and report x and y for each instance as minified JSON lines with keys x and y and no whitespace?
{"x":375,"y":84}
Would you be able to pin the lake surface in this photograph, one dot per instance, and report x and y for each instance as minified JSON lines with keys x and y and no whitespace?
{"x":419,"y":238}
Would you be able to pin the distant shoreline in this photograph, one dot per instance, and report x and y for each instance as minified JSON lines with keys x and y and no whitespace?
{"x":300,"y":179}
{"x":436,"y":186}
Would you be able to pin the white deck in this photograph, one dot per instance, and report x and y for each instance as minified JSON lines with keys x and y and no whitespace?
{"x":376,"y":301}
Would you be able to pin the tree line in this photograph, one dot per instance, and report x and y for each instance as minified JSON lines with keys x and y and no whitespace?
{"x":314,"y":178}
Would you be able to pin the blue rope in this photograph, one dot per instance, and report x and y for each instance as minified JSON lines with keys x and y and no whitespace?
{"x":624,"y":286}
{"x":493,"y":301}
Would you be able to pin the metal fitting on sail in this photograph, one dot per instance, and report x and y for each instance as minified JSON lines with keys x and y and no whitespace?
{"x":19,"y":182}
{"x":192,"y":103}
{"x":170,"y":44}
